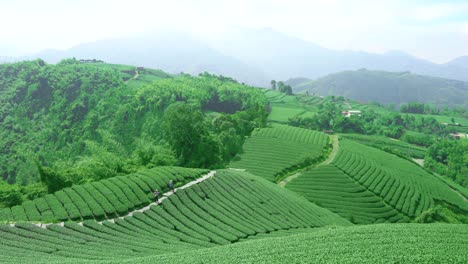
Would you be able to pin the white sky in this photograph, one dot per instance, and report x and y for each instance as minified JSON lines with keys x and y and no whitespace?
{"x":434,"y":30}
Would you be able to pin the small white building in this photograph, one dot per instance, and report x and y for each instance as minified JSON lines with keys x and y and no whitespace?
{"x":351,"y":113}
{"x":459,"y":135}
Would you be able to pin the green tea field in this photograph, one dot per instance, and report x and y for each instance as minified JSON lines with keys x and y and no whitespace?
{"x":274,"y":152}
{"x":221,"y":210}
{"x":367,"y":185}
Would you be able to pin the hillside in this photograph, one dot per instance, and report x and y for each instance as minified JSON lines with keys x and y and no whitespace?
{"x":87,"y":121}
{"x":283,"y":107}
{"x":367,"y":185}
{"x":401,"y":243}
{"x":260,"y":176}
{"x":388,"y":88}
{"x":221,"y":210}
{"x":275,"y":152}
{"x":105,"y":199}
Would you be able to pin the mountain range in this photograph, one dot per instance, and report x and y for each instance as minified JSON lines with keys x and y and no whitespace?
{"x":251,"y":56}
{"x":387,"y":87}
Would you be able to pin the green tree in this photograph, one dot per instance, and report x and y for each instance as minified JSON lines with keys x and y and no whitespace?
{"x":273,"y":85}
{"x":187,"y":133}
{"x":53,"y":180}
{"x":10,"y":195}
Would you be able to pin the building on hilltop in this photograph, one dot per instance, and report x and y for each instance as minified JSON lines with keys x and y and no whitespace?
{"x":459,"y":135}
{"x":350,"y":113}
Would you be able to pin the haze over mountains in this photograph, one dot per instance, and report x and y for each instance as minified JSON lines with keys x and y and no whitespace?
{"x":251,"y":56}
{"x":386,"y":87}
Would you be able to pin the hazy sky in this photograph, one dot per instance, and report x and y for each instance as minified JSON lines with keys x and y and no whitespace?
{"x":434,"y":30}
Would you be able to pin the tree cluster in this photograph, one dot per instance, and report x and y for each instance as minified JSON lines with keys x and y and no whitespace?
{"x":287,"y":89}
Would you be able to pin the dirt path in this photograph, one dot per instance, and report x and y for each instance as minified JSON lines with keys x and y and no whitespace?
{"x":334,"y":151}
{"x":137,"y":74}
{"x":420,"y":162}
{"x":328,"y":160}
{"x":289,"y":178}
{"x":164,"y":197}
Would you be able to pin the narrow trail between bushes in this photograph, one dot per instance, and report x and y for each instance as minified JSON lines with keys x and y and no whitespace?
{"x":333,"y":152}
{"x":420,"y":162}
{"x":137,"y":74}
{"x":328,"y":160}
{"x":146,"y":208}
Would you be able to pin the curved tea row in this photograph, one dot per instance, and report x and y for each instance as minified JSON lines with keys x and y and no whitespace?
{"x":273,"y":152}
{"x":367,"y":185}
{"x":221,"y":210}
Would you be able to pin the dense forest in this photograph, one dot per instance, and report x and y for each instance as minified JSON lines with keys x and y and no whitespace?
{"x":73,"y":122}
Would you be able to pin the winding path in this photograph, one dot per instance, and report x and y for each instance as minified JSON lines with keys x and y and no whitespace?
{"x":137,"y":74}
{"x":146,"y":208}
{"x":328,"y":160}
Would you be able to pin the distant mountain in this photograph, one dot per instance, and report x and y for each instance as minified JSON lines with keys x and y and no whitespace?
{"x":173,"y":52}
{"x":388,"y":87}
{"x":461,"y":62}
{"x":251,"y":56}
{"x":283,"y":57}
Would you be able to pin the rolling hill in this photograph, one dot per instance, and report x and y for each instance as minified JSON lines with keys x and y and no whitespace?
{"x":73,"y":109}
{"x":220,"y":210}
{"x":389,"y":88}
{"x":367,"y":185}
{"x":382,"y":243}
{"x":273,"y":153}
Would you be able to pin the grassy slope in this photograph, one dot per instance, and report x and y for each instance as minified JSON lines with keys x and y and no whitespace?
{"x":222,"y":210}
{"x":384,"y":243}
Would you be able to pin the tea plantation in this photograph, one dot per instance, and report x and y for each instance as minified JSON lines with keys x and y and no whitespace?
{"x":99,"y":200}
{"x":382,"y":243}
{"x":275,"y":152}
{"x":222,"y":210}
{"x":84,"y":146}
{"x":390,"y":145}
{"x":367,"y":185}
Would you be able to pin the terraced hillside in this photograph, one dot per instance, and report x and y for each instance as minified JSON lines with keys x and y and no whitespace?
{"x":99,"y":200}
{"x":222,"y":210}
{"x":273,"y":152}
{"x":367,"y":185}
{"x":389,"y":145}
{"x":285,"y":106}
{"x":329,"y":187}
